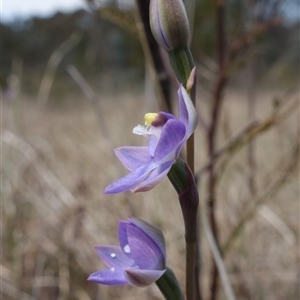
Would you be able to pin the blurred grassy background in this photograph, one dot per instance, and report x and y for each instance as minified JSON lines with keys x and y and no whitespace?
{"x":57,"y":155}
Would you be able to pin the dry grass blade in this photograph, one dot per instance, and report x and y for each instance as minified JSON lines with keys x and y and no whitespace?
{"x":52,"y":65}
{"x":66,"y":197}
{"x":278,"y":224}
{"x":64,"y":277}
{"x":92,"y":97}
{"x":229,"y":293}
{"x":13,"y":292}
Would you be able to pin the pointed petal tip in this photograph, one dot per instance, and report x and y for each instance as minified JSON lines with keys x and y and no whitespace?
{"x":113,"y":189}
{"x":90,"y":278}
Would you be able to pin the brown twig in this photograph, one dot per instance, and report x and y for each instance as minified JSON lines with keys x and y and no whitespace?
{"x":263,"y":126}
{"x":247,"y":134}
{"x":224,"y":61}
{"x":247,"y":38}
{"x":212,"y":130}
{"x":228,"y":146}
{"x":153,"y":55}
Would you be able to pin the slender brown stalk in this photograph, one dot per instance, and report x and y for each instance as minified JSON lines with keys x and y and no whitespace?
{"x":193,"y":290}
{"x":224,"y":62}
{"x":153,"y":55}
{"x":190,"y":269}
{"x":232,"y":143}
{"x":216,"y":108}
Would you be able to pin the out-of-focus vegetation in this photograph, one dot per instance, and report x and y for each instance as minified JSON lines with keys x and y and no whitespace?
{"x":110,"y":45}
{"x":104,"y":50}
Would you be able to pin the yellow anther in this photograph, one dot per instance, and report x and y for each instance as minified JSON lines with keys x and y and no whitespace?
{"x":150,"y":117}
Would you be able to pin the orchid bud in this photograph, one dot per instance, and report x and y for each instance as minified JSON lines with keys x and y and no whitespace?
{"x":169,"y":23}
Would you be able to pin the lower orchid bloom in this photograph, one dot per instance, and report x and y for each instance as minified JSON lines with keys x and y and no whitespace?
{"x":139,"y":261}
{"x":166,"y":137}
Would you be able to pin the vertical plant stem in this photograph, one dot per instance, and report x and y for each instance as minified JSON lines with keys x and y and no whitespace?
{"x":212,"y":133}
{"x":197,"y":264}
{"x":192,"y":247}
{"x":196,"y":256}
{"x":190,"y":269}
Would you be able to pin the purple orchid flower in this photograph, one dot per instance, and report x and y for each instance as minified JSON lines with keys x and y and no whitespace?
{"x":139,"y":261}
{"x":166,"y":137}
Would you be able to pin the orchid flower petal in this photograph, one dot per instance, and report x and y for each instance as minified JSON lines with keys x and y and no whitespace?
{"x":114,"y":257}
{"x":123,"y":238}
{"x":156,"y":176}
{"x":154,"y":139}
{"x":130,"y":180}
{"x":171,"y":137}
{"x":187,"y":111}
{"x":109,"y":277}
{"x":153,"y":232}
{"x":133,"y":157}
{"x":142,"y":278}
{"x":144,"y":251}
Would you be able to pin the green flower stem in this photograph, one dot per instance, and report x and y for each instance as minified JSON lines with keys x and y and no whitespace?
{"x":169,"y":286}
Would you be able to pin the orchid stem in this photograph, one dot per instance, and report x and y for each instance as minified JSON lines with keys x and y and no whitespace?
{"x":183,"y":65}
{"x":190,"y":153}
{"x":192,"y":259}
{"x":190,"y":267}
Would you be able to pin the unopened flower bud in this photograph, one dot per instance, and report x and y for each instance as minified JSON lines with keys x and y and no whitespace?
{"x":169,"y":23}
